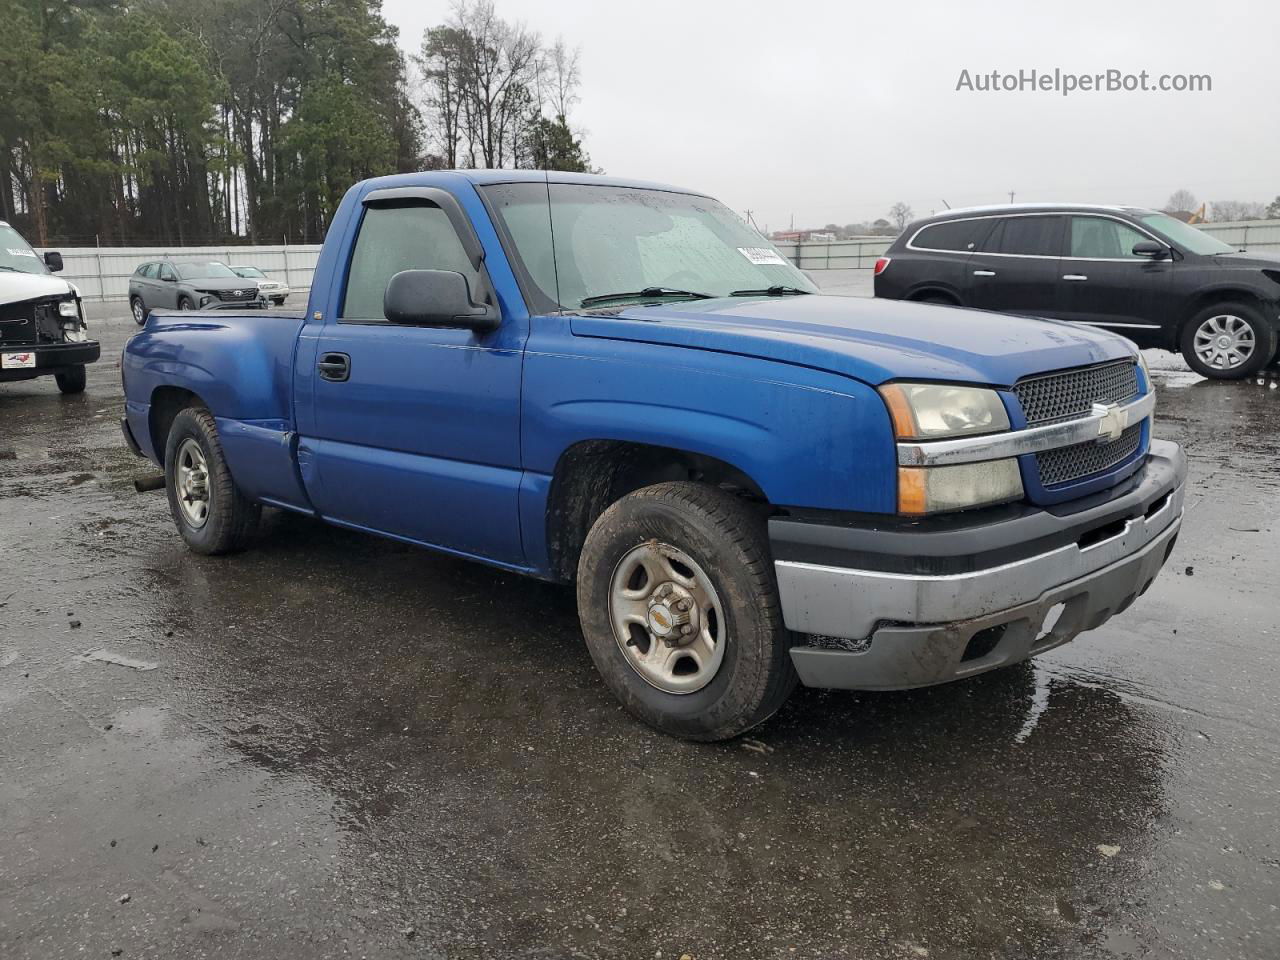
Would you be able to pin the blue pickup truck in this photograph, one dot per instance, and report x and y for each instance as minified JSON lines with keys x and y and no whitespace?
{"x":621,"y":386}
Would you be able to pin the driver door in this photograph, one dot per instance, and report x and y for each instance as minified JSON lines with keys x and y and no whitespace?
{"x":416,"y":430}
{"x":166,"y":289}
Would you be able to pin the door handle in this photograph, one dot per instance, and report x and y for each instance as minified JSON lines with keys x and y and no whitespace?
{"x":984,"y":273}
{"x":335,"y":367}
{"x":1074,"y":276}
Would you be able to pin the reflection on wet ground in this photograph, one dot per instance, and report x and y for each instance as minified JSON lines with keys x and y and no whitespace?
{"x":353,"y":748}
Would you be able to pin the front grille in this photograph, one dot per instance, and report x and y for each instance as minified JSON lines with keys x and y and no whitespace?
{"x":1085,"y":459}
{"x":246,"y":293}
{"x":1072,"y":394}
{"x":17,"y":324}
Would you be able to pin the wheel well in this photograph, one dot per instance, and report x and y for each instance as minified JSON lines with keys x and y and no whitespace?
{"x":593,"y":474}
{"x":1209,"y":298}
{"x":935,"y":294}
{"x":166,"y":404}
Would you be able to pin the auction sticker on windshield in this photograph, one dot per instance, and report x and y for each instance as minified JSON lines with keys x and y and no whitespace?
{"x":22,"y":253}
{"x":17,"y":361}
{"x":762,"y":255}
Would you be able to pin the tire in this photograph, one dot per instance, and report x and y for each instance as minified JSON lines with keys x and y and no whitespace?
{"x":230,"y":518}
{"x":139,"y":310}
{"x":71,"y":380}
{"x":186,"y":303}
{"x":723,"y":542}
{"x":941,"y":299}
{"x":1237,"y":324}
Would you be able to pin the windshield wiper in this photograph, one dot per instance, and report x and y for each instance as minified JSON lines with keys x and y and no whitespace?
{"x":648,"y":293}
{"x":11,"y":269}
{"x":778,"y":291}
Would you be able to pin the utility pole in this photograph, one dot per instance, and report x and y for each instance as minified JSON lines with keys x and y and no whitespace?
{"x":1011,"y":196}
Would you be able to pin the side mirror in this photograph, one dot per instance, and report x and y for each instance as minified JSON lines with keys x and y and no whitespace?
{"x":53,"y":260}
{"x":1150,"y":250}
{"x":436,"y":298}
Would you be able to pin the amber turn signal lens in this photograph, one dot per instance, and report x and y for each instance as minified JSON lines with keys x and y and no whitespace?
{"x":904,"y":421}
{"x":912,"y":493}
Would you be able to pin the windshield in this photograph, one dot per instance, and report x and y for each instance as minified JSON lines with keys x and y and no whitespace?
{"x":1185,"y":236}
{"x":203,"y":271}
{"x":16,"y":255}
{"x":253,"y":273}
{"x":614,"y":244}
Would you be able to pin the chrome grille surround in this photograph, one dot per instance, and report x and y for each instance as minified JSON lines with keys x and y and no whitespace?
{"x":1086,"y":459}
{"x":1072,"y":393}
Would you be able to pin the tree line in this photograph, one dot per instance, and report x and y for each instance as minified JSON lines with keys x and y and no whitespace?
{"x":176,"y":122}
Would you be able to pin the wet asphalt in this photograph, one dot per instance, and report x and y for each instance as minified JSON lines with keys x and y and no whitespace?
{"x":337,"y":746}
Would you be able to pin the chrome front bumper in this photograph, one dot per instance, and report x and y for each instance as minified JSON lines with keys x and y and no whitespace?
{"x":883,"y":629}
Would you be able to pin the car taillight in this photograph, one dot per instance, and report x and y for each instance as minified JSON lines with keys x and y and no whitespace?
{"x":882,"y":264}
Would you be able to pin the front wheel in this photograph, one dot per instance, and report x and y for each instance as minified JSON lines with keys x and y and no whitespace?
{"x":1229,"y":341}
{"x":71,"y":380}
{"x":139,"y":311}
{"x":210,"y":512}
{"x":679,"y":606}
{"x":186,"y":303}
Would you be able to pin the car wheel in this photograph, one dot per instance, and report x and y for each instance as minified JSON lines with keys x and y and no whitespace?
{"x":1228,"y":341}
{"x":939,"y":298}
{"x":71,"y":380}
{"x":186,"y":303}
{"x":679,"y":606}
{"x":211,"y":513}
{"x":139,"y":311}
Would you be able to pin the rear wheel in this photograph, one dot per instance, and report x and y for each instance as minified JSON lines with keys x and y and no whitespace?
{"x":71,"y":380}
{"x":939,"y":298}
{"x":679,"y":607}
{"x":1228,"y":341}
{"x":210,"y":512}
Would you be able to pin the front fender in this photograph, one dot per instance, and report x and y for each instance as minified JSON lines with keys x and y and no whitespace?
{"x":805,"y":437}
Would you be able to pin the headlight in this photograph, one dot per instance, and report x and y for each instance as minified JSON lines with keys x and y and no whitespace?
{"x":67,"y":308}
{"x":932,"y":411}
{"x":923,"y":490}
{"x":936,"y":411}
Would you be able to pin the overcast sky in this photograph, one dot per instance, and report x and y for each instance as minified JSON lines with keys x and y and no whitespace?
{"x":831,"y":112}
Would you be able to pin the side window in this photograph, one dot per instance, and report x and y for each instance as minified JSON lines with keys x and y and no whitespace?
{"x":961,"y":236}
{"x":1031,"y":236}
{"x":166,"y":272}
{"x":404,"y":236}
{"x":1103,"y":238}
{"x":147,"y":270}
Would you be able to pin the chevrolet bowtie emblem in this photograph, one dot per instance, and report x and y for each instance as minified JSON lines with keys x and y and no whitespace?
{"x":1112,"y":423}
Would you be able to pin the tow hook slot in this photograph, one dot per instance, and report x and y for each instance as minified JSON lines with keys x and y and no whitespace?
{"x":148,"y":484}
{"x":1108,"y":531}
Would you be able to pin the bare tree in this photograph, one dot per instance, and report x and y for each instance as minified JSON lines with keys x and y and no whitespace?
{"x":488,"y":85}
{"x":901,"y":215}
{"x":1224,"y":210}
{"x":1181,"y":201}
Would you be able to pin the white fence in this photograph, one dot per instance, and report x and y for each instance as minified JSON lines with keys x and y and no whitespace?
{"x":102,"y":273}
{"x":856,"y":254}
{"x":1262,"y":235}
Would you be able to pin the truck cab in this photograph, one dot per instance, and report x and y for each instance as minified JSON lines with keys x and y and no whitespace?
{"x":622,"y":387}
{"x":42,"y":324}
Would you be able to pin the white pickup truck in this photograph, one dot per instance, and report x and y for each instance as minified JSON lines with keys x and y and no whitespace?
{"x":42,"y":326}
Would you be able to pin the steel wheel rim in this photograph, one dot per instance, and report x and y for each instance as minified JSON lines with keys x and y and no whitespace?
{"x":1225,"y":342}
{"x":667,"y":618}
{"x":192,"y":482}
{"x":186,"y":305}
{"x":137,"y":311}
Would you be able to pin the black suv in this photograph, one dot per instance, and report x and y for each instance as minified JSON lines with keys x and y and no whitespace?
{"x":1140,"y":273}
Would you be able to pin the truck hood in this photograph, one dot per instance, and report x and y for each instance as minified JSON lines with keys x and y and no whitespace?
{"x":867,"y":339}
{"x":20,"y":287}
